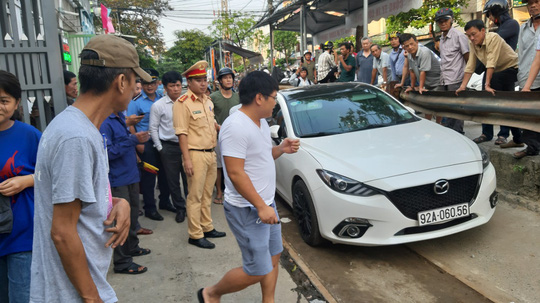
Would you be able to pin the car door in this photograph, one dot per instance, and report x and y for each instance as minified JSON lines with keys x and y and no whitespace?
{"x":283,"y":163}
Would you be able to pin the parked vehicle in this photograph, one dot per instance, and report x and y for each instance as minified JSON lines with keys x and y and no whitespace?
{"x":371,"y":172}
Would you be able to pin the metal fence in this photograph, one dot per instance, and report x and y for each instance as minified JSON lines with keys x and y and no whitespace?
{"x":30,"y":49}
{"x":517,"y":109}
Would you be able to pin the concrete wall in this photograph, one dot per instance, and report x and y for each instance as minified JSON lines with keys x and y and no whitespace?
{"x":517,"y":180}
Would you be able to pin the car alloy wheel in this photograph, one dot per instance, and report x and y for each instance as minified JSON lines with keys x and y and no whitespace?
{"x":304,"y":211}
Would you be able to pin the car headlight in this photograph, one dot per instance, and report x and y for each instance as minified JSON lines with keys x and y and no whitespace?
{"x":346,"y":185}
{"x":485,"y":158}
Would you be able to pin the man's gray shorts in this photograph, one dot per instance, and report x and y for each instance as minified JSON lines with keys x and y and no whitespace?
{"x":258,"y":241}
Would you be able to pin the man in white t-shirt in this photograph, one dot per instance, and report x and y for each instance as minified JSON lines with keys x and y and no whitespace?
{"x":250,"y":185}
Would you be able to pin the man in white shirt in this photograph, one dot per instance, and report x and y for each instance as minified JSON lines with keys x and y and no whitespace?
{"x":381,"y":64}
{"x":299,"y":78}
{"x":250,"y":185}
{"x":327,"y":64}
{"x":166,"y":142}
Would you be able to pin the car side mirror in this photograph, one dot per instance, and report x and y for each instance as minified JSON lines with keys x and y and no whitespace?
{"x":274,"y":133}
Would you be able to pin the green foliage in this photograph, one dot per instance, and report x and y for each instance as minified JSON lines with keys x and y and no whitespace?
{"x":187,"y":50}
{"x":423,"y":16}
{"x":139,"y":18}
{"x":380,"y":40}
{"x":281,"y":62}
{"x":351,"y":38}
{"x":518,"y":168}
{"x":145,"y":60}
{"x":236,"y":27}
{"x":285,"y":42}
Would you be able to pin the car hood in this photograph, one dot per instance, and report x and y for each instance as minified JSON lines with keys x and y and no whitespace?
{"x":391,"y":151}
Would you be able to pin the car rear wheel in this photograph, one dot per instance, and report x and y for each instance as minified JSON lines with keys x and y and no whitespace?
{"x":304,"y":211}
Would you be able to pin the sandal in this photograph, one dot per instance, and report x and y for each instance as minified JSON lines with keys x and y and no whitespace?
{"x":523,"y":153}
{"x":500,"y":140}
{"x":140,"y":252}
{"x":218,"y":200}
{"x":481,"y":139}
{"x":144,"y":231}
{"x":133,"y":269}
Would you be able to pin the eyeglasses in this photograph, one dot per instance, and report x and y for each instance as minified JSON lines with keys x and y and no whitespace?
{"x":275,"y":97}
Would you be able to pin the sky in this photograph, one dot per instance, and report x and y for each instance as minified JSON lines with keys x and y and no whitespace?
{"x":199,"y":14}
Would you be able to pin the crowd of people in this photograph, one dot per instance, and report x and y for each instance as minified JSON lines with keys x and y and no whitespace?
{"x":70,"y":197}
{"x":446,"y":65}
{"x":84,"y":176}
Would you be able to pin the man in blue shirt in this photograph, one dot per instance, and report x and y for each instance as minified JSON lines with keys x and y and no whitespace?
{"x":124,"y":180}
{"x":141,"y":106}
{"x":397,"y":57}
{"x":364,"y":62}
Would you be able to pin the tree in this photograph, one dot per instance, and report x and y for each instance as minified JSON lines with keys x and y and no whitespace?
{"x":285,"y":42}
{"x":420,"y":17}
{"x":139,"y":18}
{"x":235,"y":27}
{"x":187,"y":50}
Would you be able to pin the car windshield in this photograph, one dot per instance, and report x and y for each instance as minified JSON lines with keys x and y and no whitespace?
{"x":345,"y":111}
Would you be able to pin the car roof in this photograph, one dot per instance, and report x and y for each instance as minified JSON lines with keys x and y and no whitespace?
{"x":321,"y":89}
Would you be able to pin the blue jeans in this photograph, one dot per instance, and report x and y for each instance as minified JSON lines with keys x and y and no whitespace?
{"x":15,"y":277}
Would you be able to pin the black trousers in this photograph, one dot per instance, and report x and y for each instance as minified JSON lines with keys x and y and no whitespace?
{"x":531,"y":138}
{"x":148,"y":180}
{"x":503,"y":81}
{"x":331,"y":77}
{"x":452,"y":123}
{"x":171,"y":158}
{"x":122,"y":254}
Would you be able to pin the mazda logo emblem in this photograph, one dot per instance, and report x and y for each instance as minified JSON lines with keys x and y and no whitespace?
{"x":441,"y":187}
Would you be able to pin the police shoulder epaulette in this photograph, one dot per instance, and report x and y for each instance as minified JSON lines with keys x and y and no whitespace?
{"x":183,"y":98}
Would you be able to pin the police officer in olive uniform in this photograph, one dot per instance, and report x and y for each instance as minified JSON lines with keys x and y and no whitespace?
{"x":195,"y":126}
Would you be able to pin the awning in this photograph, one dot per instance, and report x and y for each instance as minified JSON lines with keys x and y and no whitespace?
{"x":316,"y":21}
{"x":321,"y":15}
{"x":253,"y":57}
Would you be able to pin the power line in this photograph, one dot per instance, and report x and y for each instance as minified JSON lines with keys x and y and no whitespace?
{"x":246,"y":5}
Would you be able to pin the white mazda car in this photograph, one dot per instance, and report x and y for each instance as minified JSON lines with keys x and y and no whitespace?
{"x":371,"y":172}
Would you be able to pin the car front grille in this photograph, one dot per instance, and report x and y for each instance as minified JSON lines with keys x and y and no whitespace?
{"x":410,"y":201}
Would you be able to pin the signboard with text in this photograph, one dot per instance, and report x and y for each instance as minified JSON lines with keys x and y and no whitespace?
{"x":518,"y":3}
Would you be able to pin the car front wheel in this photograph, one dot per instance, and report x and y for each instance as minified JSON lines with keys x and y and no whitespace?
{"x":304,"y":211}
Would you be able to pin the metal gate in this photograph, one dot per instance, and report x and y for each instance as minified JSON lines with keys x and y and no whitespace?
{"x":76,"y":44}
{"x":30,"y":49}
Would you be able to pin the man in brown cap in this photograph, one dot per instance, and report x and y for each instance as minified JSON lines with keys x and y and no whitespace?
{"x":196,"y":128}
{"x":77,"y":222}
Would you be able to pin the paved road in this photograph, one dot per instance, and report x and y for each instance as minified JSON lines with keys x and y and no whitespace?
{"x":496,"y":262}
{"x":176,"y":270}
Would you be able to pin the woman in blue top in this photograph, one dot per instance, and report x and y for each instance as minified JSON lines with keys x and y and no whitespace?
{"x":19,"y":143}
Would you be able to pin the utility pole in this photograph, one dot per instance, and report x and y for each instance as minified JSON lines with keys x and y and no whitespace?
{"x":270,"y":12}
{"x":225,"y":16}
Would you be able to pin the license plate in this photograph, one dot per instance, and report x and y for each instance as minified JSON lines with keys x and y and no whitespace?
{"x":443,"y":214}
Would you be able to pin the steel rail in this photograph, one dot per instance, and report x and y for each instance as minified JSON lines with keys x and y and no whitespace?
{"x":517,"y":109}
